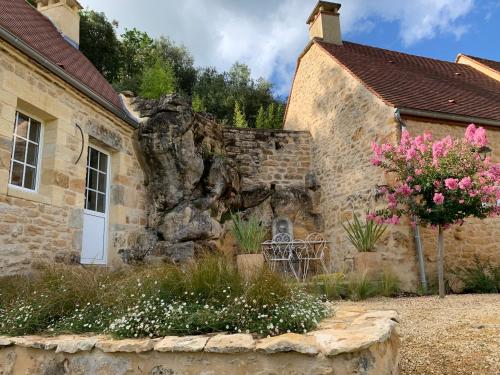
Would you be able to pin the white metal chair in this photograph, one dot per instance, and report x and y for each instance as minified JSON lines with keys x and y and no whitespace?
{"x":315,"y":252}
{"x":281,"y":253}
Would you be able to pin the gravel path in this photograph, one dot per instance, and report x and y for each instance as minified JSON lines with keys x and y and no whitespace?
{"x":460,"y":335}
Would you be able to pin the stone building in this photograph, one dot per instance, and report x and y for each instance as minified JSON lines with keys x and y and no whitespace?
{"x":346,"y":95}
{"x":71,"y":188}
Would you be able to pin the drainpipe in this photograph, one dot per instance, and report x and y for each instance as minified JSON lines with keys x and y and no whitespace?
{"x":416,"y":227}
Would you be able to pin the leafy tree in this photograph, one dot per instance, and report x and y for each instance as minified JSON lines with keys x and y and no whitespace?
{"x":99,"y":43}
{"x":137,"y":52}
{"x":239,"y":118}
{"x":181,"y":61}
{"x":260,"y":120}
{"x":157,"y":80}
{"x":197,"y":104}
{"x":439,"y":183}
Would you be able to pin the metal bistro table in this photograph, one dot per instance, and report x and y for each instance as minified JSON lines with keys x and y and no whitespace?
{"x":295,"y":256}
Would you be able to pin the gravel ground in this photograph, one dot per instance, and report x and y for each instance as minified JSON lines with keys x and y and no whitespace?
{"x":460,"y":335}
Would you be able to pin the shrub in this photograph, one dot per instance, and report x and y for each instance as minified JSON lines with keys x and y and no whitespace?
{"x":248,"y":234}
{"x":202,"y":297}
{"x":157,"y":80}
{"x":360,"y":286}
{"x":364,"y":236}
{"x":482,"y":277}
{"x":331,"y":286}
{"x":388,"y":284}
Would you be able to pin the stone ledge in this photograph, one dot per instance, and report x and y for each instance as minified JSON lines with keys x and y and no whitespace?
{"x":351,"y":329}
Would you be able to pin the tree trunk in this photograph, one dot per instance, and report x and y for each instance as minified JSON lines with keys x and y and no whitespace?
{"x":440,"y":262}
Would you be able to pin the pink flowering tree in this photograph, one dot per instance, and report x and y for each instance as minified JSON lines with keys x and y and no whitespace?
{"x":438,"y":183}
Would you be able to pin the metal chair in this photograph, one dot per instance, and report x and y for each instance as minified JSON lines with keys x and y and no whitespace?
{"x":282,"y":253}
{"x":316,"y":246}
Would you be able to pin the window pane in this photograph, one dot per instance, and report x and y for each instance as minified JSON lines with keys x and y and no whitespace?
{"x":103,"y":163}
{"x":34,"y":131}
{"x":32,"y":154}
{"x":92,"y":179}
{"x":94,"y":158}
{"x":102,"y":182}
{"x":20,"y":150}
{"x":30,"y":178}
{"x":101,"y":203}
{"x":17,"y":174}
{"x":22,"y":125}
{"x":91,"y":200}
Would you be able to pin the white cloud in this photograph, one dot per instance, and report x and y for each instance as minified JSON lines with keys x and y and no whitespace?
{"x":269,"y":35}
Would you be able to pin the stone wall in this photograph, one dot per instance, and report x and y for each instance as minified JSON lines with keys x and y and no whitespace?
{"x":344,"y":117}
{"x":476,"y":236}
{"x":355,"y":341}
{"x":47,"y":224}
{"x":269,"y":157}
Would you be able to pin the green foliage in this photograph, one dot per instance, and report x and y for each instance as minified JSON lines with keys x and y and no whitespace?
{"x":271,"y":118}
{"x":332,"y":286}
{"x":157,"y":80}
{"x":360,"y":286}
{"x":206,"y":296}
{"x":98,"y":41}
{"x":482,"y":277}
{"x":364,"y":236}
{"x":249,"y":234}
{"x":197,"y":104}
{"x":388,"y":284}
{"x":239,"y":118}
{"x":260,"y":120}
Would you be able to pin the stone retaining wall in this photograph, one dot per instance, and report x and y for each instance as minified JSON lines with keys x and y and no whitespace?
{"x":269,"y":157}
{"x":353,"y":342}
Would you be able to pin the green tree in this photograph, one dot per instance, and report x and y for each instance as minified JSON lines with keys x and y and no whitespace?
{"x":98,"y":42}
{"x":197,"y":104}
{"x":239,"y":118}
{"x":137,"y":52}
{"x":157,"y":80}
{"x":181,"y":61}
{"x":260,"y":120}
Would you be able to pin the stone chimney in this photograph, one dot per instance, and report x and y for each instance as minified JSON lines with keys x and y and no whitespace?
{"x":65,"y":14}
{"x":324,"y":23}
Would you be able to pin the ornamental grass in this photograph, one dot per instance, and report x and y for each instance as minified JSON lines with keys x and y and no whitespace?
{"x":156,"y":300}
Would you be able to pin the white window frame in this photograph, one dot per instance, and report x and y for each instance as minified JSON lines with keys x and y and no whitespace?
{"x":39,"y":155}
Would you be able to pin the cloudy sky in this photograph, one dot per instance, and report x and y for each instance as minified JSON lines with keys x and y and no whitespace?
{"x":268,"y":35}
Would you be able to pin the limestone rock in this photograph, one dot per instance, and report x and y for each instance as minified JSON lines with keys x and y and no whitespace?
{"x":127,"y":345}
{"x":5,"y":341}
{"x":289,"y":342}
{"x":181,"y":344}
{"x":35,"y":342}
{"x":74,"y":344}
{"x":236,"y":343}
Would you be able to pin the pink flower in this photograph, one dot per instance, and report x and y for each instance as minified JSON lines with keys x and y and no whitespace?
{"x":404,"y":190}
{"x":476,"y":136}
{"x":376,"y":161}
{"x":465,"y":183}
{"x":391,"y":198}
{"x":411,"y":153}
{"x":405,"y":138}
{"x":438,"y":198}
{"x":437,"y":184}
{"x":418,"y":172}
{"x":394,"y":220}
{"x":451,"y":183}
{"x":418,"y":188}
{"x":469,"y":133}
{"x":377,"y":149}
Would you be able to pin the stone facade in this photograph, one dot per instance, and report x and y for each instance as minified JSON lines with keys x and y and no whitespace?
{"x":47,"y":224}
{"x":344,"y":117}
{"x":354,"y":341}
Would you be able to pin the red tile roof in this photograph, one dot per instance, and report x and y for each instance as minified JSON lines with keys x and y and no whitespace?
{"x":495,"y":65}
{"x":26,"y":23}
{"x":415,"y":82}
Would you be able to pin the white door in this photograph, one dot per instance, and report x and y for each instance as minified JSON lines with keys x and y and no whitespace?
{"x":95,"y":218}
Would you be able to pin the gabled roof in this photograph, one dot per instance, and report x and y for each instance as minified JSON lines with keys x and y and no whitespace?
{"x":495,"y":65}
{"x":407,"y":81}
{"x":37,"y":32}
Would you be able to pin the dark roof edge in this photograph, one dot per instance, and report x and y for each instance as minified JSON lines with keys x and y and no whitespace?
{"x":39,"y":58}
{"x":447,"y":116}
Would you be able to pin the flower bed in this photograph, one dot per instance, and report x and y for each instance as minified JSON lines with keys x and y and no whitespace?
{"x":204,"y":297}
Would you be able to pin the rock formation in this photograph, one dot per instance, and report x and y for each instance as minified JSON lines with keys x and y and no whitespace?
{"x":193,"y":185}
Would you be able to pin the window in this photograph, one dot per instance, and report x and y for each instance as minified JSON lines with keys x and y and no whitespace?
{"x":95,"y":190}
{"x":25,"y":152}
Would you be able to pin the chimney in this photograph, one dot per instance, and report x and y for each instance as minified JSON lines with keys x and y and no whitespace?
{"x":65,"y":14}
{"x":324,"y":23}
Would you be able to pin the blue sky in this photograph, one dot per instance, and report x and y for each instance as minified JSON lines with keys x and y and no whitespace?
{"x":269,"y":35}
